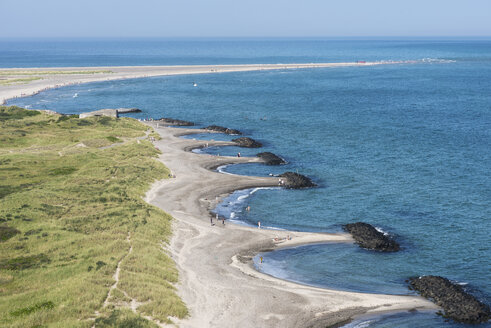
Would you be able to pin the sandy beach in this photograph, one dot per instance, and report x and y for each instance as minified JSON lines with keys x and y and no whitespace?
{"x":217,"y":279}
{"x":54,"y":77}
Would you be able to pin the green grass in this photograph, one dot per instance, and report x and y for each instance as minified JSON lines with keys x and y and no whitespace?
{"x":66,"y":209}
{"x":19,"y":81}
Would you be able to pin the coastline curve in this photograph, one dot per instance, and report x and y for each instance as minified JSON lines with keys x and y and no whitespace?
{"x":218,"y":280}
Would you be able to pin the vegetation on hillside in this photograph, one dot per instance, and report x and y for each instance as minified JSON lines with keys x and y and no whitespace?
{"x":71,"y":213}
{"x":20,"y":72}
{"x":19,"y":80}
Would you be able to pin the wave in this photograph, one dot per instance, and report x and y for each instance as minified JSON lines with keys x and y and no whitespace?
{"x":359,"y":324}
{"x":75,"y":95}
{"x":418,"y":61}
{"x":382,"y":231}
{"x":221,"y":170}
{"x":234,"y":205}
{"x":437,"y":60}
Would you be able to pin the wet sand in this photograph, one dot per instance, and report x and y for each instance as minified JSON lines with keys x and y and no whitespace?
{"x":217,"y":279}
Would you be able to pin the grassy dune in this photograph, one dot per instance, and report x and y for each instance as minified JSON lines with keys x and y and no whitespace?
{"x":19,"y":81}
{"x":19,"y":72}
{"x":71,"y":209}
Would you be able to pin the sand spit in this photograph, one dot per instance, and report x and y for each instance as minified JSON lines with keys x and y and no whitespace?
{"x":217,"y":279}
{"x":54,"y":77}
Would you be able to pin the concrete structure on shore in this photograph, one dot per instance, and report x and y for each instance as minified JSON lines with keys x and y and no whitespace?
{"x":110,"y":112}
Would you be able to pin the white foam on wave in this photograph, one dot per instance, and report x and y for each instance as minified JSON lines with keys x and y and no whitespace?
{"x":221,"y":169}
{"x":75,"y":95}
{"x":416,"y":61}
{"x":272,"y":228}
{"x":233,"y":205}
{"x":197,"y":151}
{"x":437,"y":60}
{"x":382,"y":231}
{"x":359,"y":324}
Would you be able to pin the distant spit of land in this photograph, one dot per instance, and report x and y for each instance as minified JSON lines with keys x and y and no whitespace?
{"x":20,"y":82}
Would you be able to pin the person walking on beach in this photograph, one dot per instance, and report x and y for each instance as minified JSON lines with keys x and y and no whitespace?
{"x":259,"y":224}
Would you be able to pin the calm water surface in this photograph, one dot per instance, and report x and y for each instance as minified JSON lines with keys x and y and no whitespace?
{"x":404,"y":147}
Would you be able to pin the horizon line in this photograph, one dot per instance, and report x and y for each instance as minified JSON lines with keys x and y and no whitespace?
{"x":252,"y":37}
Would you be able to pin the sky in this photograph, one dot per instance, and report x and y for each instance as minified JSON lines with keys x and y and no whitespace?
{"x":248,"y":18}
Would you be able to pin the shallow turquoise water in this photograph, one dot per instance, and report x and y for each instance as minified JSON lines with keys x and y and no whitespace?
{"x":404,"y":147}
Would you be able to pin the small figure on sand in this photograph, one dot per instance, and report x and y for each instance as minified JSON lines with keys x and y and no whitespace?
{"x":223,"y":221}
{"x":259,"y":224}
{"x":261,"y":259}
{"x":248,"y":208}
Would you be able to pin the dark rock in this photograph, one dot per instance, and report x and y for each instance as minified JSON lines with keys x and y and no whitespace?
{"x":368,"y":237}
{"x":457,"y":303}
{"x":271,"y":159}
{"x":128,"y":110}
{"x":294,"y":180}
{"x":173,"y":121}
{"x":222,"y":129}
{"x":247,"y":142}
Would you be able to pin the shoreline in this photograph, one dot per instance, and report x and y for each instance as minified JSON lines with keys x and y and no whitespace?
{"x":56,"y":77}
{"x":205,"y":254}
{"x":218,"y":281}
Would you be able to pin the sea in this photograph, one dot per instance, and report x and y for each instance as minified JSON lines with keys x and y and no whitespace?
{"x":405,"y":147}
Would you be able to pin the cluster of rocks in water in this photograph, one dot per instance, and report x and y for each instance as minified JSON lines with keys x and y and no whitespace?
{"x":455,"y":301}
{"x":368,"y":237}
{"x":247,"y":142}
{"x":222,"y":129}
{"x":294,"y":180}
{"x":457,"y":304}
{"x":271,"y":159}
{"x":173,"y":121}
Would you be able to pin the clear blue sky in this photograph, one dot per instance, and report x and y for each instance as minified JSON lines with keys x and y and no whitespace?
{"x":247,"y":18}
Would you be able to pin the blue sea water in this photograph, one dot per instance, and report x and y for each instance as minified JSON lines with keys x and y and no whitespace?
{"x":406,"y":147}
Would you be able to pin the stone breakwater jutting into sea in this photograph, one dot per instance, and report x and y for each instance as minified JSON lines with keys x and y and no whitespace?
{"x":457,"y":304}
{"x":403,"y":147}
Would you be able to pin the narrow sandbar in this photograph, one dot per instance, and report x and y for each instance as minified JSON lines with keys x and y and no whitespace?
{"x":39,"y":79}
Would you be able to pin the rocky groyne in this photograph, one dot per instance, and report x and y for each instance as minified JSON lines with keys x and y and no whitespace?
{"x":368,"y":237}
{"x":176,"y":122}
{"x":292,"y":180}
{"x":455,"y":301}
{"x":222,"y":129}
{"x":247,"y":142}
{"x":271,"y":159}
